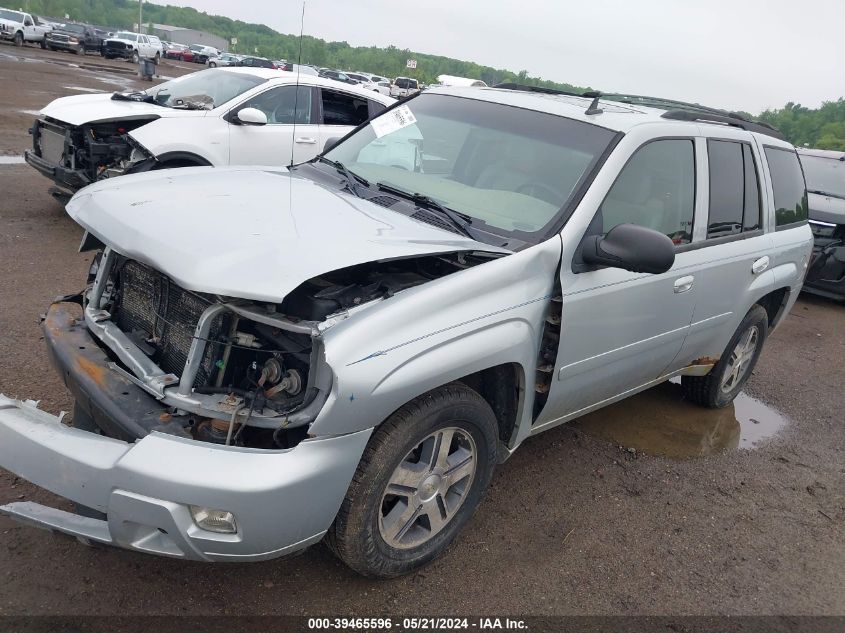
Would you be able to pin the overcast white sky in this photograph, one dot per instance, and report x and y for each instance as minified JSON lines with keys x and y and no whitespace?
{"x":741,"y":54}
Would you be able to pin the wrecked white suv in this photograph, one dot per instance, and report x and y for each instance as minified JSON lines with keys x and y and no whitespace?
{"x":267,"y":357}
{"x":216,"y":117}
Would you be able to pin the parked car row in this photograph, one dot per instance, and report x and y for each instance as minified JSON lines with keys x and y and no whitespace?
{"x":346,"y":348}
{"x":400,"y":87}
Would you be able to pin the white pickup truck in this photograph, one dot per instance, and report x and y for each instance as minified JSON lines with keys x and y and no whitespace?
{"x":22,"y":27}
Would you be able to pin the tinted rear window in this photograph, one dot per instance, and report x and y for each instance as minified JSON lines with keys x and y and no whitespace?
{"x":734,"y":189}
{"x":788,"y":185}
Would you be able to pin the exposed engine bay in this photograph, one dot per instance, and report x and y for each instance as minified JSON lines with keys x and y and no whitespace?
{"x":87,"y":153}
{"x":239,"y":372}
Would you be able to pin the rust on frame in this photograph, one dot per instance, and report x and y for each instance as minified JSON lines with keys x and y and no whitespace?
{"x":705,"y":360}
{"x":93,"y":370}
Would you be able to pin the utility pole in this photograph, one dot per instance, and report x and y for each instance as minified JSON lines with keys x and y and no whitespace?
{"x":140,"y":14}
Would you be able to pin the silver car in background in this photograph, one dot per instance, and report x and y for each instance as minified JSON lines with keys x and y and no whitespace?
{"x":265,"y":357}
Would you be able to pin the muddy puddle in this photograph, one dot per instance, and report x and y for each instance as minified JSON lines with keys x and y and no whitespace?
{"x":660,"y":422}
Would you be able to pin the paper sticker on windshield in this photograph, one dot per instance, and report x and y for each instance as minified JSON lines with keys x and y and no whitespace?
{"x":394,"y":120}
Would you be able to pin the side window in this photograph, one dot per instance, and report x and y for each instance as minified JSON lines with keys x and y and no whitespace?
{"x":284,"y":105}
{"x":788,"y":185}
{"x":655,"y":189}
{"x":734,"y":189}
{"x":343,"y":109}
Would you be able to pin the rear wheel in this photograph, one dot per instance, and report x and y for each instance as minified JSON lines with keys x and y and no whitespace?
{"x":419,"y":481}
{"x":728,"y":377}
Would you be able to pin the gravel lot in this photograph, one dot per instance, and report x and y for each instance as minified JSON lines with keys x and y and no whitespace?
{"x":575,"y":523}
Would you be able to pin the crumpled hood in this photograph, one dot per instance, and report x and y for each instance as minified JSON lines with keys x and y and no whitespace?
{"x":249,"y":232}
{"x":79,"y":109}
{"x":827,"y":208}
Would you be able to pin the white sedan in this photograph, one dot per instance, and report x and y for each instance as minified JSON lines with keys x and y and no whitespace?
{"x":219,"y":116}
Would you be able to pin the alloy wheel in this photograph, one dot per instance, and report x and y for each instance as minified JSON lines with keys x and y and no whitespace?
{"x":740,"y":359}
{"x":427,"y":488}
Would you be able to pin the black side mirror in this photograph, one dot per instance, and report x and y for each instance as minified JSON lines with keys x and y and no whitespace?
{"x":630,"y":247}
{"x":330,"y":143}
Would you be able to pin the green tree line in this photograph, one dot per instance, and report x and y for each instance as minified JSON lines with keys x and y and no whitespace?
{"x":823,"y":127}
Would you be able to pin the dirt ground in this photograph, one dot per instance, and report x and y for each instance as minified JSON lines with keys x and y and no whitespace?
{"x":573,"y":524}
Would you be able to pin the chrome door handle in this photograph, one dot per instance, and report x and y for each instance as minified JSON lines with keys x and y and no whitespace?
{"x":307,"y":140}
{"x":683,"y":284}
{"x":760,"y":265}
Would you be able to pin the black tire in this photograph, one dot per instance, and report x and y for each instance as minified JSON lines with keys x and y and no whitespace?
{"x":707,"y":391}
{"x":80,"y":50}
{"x":355,"y":536}
{"x":44,"y":43}
{"x":135,"y":57}
{"x":212,"y":65}
{"x":18,"y":39}
{"x":156,"y":59}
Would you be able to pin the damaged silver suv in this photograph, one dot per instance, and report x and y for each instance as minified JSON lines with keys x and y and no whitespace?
{"x":264,"y":358}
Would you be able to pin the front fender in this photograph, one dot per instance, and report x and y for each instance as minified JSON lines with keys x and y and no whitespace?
{"x":427,"y":336}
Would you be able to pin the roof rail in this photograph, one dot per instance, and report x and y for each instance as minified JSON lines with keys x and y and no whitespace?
{"x":706,"y":117}
{"x":508,"y":85}
{"x":675,"y":110}
{"x":684,"y":111}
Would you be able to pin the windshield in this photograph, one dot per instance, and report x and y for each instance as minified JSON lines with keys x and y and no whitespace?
{"x":509,"y":168}
{"x":211,"y":88}
{"x":14,"y":16}
{"x":824,"y":174}
{"x":123,"y":35}
{"x":74,"y":28}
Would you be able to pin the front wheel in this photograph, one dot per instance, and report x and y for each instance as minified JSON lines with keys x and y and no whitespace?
{"x":44,"y":44}
{"x":727,"y":378}
{"x":80,"y":50}
{"x":212,"y":65}
{"x":135,"y":57}
{"x":18,"y":39}
{"x":422,"y":476}
{"x":157,"y":59}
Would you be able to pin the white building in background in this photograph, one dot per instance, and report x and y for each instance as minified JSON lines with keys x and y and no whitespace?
{"x":182,"y":35}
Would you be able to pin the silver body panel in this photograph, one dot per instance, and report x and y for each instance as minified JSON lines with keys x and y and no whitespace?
{"x":621,"y":332}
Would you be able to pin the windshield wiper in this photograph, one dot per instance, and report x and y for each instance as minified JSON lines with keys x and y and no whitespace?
{"x":352,"y":179}
{"x":819,"y":192}
{"x":460,"y":221}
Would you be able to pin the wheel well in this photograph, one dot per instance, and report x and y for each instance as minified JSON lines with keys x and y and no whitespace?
{"x":181,"y":159}
{"x":501,"y":387}
{"x":774,"y":304}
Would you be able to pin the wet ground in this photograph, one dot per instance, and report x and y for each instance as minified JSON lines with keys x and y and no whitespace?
{"x":660,"y":422}
{"x":651,"y":506}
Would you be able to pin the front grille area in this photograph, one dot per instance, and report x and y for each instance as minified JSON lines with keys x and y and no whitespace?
{"x":116,"y":46}
{"x":160,"y":316}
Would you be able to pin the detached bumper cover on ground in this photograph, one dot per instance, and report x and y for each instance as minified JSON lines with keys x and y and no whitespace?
{"x":282,"y":500}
